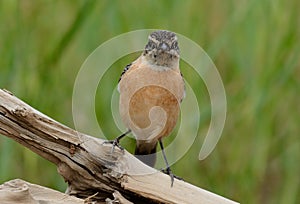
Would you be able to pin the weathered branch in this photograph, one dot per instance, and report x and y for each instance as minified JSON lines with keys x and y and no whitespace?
{"x":19,"y":191}
{"x":88,"y":166}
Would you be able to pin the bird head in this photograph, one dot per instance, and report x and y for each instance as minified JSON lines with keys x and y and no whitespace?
{"x":162,"y":49}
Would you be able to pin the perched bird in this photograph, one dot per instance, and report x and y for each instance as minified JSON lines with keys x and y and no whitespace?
{"x":151,"y":89}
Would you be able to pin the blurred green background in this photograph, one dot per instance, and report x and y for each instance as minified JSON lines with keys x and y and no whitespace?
{"x":254,"y":44}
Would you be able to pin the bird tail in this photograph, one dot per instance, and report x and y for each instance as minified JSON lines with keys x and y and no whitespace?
{"x":146,"y":152}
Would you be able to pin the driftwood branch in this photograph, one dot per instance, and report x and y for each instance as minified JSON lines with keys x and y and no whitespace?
{"x":90,"y":168}
{"x":21,"y":192}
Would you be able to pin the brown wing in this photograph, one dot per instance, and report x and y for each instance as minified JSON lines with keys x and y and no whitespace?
{"x":130,"y":67}
{"x":184,"y":87}
{"x":125,"y":70}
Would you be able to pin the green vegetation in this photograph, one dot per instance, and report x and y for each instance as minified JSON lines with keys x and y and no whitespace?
{"x":254,"y":44}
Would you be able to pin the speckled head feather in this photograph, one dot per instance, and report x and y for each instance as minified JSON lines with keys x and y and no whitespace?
{"x":161,"y":38}
{"x":162,"y":49}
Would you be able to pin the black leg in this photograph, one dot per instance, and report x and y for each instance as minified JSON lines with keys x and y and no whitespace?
{"x":168,"y":169}
{"x":116,"y":142}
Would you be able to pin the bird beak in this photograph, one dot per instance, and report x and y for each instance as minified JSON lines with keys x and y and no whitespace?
{"x":164,"y":46}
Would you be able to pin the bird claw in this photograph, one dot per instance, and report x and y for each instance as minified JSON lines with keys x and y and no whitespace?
{"x":115,"y":143}
{"x":170,"y":173}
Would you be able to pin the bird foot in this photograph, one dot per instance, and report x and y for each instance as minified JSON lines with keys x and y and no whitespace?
{"x":170,"y":173}
{"x":115,"y":143}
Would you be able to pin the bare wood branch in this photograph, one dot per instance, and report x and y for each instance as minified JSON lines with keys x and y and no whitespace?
{"x":22,"y":192}
{"x":88,"y":166}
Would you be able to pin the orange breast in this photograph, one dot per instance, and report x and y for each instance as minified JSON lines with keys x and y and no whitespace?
{"x":146,"y":100}
{"x":150,"y":101}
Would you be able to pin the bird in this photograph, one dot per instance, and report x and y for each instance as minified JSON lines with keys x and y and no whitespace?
{"x":151,"y":90}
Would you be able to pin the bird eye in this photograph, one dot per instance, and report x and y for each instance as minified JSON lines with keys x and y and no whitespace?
{"x":174,"y":45}
{"x":153,"y":46}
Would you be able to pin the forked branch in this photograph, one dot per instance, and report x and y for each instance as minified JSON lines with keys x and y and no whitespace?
{"x":88,"y":166}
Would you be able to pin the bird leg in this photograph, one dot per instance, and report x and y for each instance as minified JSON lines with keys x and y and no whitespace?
{"x":168,"y":169}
